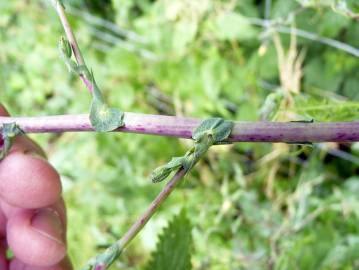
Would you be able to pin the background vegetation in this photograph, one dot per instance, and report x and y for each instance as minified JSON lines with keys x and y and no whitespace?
{"x":251,"y":206}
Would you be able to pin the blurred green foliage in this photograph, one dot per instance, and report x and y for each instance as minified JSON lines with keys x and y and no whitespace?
{"x":250,"y":208}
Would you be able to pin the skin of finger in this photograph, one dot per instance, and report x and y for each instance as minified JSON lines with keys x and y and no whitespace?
{"x":28,"y":181}
{"x":19,"y":265}
{"x":2,"y":224}
{"x":30,"y":246}
{"x":3,"y":261}
{"x":59,"y":207}
{"x":25,"y":145}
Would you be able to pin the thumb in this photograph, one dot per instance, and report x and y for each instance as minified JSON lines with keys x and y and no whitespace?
{"x":3,"y":111}
{"x":21,"y":143}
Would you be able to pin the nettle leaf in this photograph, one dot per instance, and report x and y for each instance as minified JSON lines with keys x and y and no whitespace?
{"x":102,"y":117}
{"x":8,"y":132}
{"x":175,"y":246}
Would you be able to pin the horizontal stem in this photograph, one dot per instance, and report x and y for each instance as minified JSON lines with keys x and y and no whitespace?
{"x":182,"y":127}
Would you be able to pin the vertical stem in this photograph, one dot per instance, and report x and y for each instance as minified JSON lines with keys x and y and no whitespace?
{"x":69,"y":34}
{"x":267,"y":9}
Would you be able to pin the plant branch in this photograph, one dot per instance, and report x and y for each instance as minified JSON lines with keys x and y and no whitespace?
{"x":304,"y":34}
{"x":104,"y":260}
{"x":73,"y":42}
{"x":182,"y":127}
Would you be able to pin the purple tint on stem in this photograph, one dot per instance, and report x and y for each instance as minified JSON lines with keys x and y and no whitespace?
{"x":182,"y":127}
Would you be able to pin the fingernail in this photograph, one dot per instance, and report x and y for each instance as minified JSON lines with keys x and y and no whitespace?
{"x":48,"y":223}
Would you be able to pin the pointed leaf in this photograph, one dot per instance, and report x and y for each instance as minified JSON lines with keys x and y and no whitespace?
{"x":222,"y":131}
{"x":161,"y":173}
{"x":218,"y":128}
{"x":102,"y":117}
{"x":206,"y":127}
{"x":175,"y":246}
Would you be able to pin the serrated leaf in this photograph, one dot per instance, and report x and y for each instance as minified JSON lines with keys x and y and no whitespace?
{"x":175,"y":245}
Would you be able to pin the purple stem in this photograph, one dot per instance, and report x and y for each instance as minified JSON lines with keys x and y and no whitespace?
{"x":113,"y":253}
{"x":182,"y":127}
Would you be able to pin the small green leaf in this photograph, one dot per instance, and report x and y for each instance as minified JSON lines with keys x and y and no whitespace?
{"x":175,"y":246}
{"x":197,"y":151}
{"x":222,"y":131}
{"x":206,"y":127}
{"x":271,"y":105}
{"x":210,"y":131}
{"x":105,"y":259}
{"x":65,"y":47}
{"x":161,"y":173}
{"x":102,"y":117}
{"x":8,"y":132}
{"x":218,"y":128}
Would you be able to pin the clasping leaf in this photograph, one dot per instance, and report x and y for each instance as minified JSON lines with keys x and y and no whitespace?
{"x":210,"y":131}
{"x":102,"y":117}
{"x":8,"y":132}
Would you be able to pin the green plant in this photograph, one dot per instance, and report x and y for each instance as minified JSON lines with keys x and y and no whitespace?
{"x":188,"y":125}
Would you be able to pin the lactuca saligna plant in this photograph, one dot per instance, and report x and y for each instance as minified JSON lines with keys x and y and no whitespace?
{"x":205,"y":133}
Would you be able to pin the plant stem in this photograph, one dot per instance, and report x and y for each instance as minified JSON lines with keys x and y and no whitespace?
{"x":112,"y":253}
{"x":73,"y":42}
{"x":304,"y":34}
{"x":182,"y":127}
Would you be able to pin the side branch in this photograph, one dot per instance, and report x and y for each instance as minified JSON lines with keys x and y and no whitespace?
{"x":104,"y":260}
{"x":182,"y":127}
{"x":73,"y":42}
